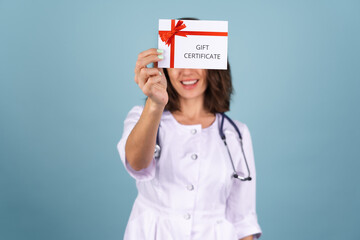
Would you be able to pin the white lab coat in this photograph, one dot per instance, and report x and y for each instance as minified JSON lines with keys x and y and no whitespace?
{"x":188,"y":193}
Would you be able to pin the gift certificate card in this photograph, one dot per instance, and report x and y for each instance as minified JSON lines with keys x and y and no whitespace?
{"x":193,"y":44}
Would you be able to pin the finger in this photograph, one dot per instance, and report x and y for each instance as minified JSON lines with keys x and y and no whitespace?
{"x":141,"y":63}
{"x":161,"y":70}
{"x":156,"y":65}
{"x":151,"y":51}
{"x":145,"y":73}
{"x":150,"y":80}
{"x":154,"y":80}
{"x":149,"y":72}
{"x":150,"y":83}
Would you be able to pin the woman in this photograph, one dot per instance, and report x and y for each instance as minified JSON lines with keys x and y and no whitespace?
{"x":187,"y":192}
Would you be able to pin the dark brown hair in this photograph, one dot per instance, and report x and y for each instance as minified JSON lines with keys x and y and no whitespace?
{"x":217,"y":94}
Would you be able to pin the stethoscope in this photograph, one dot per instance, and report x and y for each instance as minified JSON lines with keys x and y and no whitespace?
{"x":223,"y":137}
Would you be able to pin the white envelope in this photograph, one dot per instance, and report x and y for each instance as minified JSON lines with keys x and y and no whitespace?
{"x":193,"y":44}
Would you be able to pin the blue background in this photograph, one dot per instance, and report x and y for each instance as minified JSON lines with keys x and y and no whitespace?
{"x":66,"y":85}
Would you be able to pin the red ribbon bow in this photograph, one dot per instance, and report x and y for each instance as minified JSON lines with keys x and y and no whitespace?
{"x":168,"y":36}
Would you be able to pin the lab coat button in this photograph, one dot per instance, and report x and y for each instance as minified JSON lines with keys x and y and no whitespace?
{"x":193,"y":131}
{"x":190,"y":187}
{"x":187,"y":216}
{"x":194,"y":156}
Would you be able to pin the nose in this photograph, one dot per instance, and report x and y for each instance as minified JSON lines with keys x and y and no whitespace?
{"x":187,"y":71}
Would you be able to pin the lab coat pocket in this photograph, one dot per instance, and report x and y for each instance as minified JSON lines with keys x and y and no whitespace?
{"x":225,"y":230}
{"x":141,"y":227}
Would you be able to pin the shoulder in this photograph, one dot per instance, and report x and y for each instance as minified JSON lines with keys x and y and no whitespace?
{"x":245,"y":133}
{"x":243,"y":128}
{"x":136,"y":109}
{"x":134,"y":113}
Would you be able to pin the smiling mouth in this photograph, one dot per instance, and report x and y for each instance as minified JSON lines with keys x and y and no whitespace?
{"x":189,"y":82}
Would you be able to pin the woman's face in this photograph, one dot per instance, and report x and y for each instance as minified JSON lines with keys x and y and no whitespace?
{"x":188,"y":83}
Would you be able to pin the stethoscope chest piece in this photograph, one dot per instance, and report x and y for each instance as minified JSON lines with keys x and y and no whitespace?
{"x":235,"y":175}
{"x":157,"y":151}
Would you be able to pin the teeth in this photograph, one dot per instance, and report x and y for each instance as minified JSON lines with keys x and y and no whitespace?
{"x":189,"y":82}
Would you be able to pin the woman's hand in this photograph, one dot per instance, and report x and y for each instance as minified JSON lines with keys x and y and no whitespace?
{"x":151,"y":81}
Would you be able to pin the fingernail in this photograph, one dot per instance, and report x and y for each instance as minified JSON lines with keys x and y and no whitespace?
{"x":160,"y":51}
{"x":161,"y":56}
{"x":160,"y":73}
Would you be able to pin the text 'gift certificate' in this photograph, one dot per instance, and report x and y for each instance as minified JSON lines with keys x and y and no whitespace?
{"x":193,"y":44}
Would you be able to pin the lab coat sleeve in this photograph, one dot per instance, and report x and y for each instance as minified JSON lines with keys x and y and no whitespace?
{"x":241,"y":203}
{"x":145,"y":174}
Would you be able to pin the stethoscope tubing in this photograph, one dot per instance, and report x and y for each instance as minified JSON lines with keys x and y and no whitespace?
{"x":223,"y":137}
